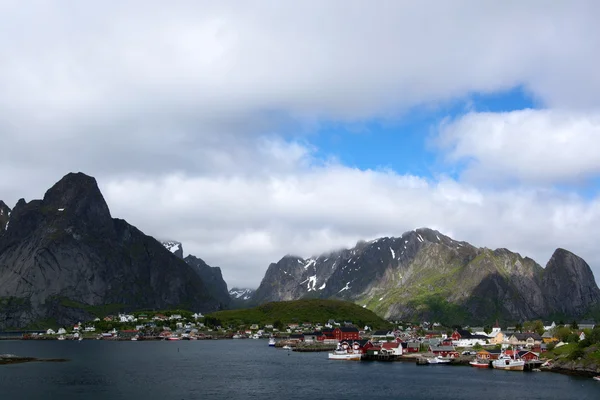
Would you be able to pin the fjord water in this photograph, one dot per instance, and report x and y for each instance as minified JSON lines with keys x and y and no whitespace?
{"x":235,"y":369}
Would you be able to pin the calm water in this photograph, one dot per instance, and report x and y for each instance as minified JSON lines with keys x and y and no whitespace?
{"x":249,"y":369}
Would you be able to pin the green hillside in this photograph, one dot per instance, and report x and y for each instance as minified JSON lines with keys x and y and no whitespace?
{"x":300,"y":311}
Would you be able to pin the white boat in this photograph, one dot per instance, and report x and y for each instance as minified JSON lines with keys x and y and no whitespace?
{"x":597,"y":378}
{"x":272,"y":342}
{"x":344,"y":355}
{"x":172,"y":338}
{"x":237,"y":337}
{"x":80,"y":338}
{"x":287,"y":347}
{"x":438,"y":360}
{"x":61,"y":337}
{"x":507,"y":363}
{"x":134,"y":338}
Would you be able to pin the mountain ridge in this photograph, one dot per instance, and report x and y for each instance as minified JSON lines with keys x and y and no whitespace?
{"x":425,"y":274}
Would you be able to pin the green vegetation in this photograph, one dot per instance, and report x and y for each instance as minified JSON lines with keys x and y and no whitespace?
{"x":299,"y":311}
{"x":98,"y":311}
{"x":585,"y":353}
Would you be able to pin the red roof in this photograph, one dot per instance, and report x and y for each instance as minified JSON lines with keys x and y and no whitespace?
{"x":390,"y":345}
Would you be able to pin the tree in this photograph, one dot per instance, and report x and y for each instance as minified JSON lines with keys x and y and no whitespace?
{"x":572,"y":338}
{"x":574,"y":325}
{"x":519,"y":327}
{"x":278,"y":325}
{"x":550,"y":346}
{"x":477,"y":346}
{"x":561,"y":333}
{"x":538,"y":327}
{"x":487,"y":329}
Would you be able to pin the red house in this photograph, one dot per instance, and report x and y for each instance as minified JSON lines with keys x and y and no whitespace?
{"x":327,"y":334}
{"x":444,"y":351}
{"x":346,"y":333}
{"x":528,"y":356}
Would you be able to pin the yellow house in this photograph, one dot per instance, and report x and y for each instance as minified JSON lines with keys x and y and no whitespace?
{"x":496,"y":337}
{"x":548,"y":337}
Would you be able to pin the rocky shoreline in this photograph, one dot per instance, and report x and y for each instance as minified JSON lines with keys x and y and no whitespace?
{"x":14,"y":359}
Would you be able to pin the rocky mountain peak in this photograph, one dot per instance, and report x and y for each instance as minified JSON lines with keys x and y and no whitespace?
{"x":568,"y":280}
{"x":78,"y":194}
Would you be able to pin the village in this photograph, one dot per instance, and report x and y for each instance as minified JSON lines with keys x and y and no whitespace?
{"x":431,"y":342}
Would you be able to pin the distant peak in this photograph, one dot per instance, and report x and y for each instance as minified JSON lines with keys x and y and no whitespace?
{"x":174,"y":247}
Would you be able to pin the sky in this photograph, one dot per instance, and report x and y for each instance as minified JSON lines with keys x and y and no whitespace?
{"x":251,"y":130}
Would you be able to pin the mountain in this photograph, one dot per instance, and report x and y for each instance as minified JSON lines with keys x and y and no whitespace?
{"x":64,"y":259}
{"x":211,"y":276}
{"x":241,"y":294}
{"x":174,"y":247}
{"x":424,"y":274}
{"x":4,"y":215}
{"x":240,"y":298}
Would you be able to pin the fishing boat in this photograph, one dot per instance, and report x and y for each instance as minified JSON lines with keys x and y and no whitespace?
{"x":272,"y":342}
{"x":597,"y":378}
{"x":61,"y":337}
{"x":438,"y":360}
{"x":344,"y":355}
{"x":479,"y":363}
{"x":344,"y":352}
{"x":287,"y":347}
{"x":173,"y":338}
{"x":507,"y":363}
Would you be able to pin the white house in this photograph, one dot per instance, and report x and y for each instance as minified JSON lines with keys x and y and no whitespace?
{"x":50,"y":332}
{"x":62,"y":331}
{"x":197,"y":315}
{"x":549,"y":327}
{"x":581,"y":335}
{"x":90,"y":329}
{"x":175,"y":316}
{"x":126,"y":318}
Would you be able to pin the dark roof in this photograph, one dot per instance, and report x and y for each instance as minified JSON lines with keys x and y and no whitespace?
{"x":478,"y":337}
{"x":381,"y":333}
{"x":442,"y":348}
{"x":327,"y":330}
{"x":523,"y":352}
{"x":465,"y":334}
{"x":313,"y":333}
{"x":492,"y":351}
{"x":525,"y":336}
{"x":348,"y":329}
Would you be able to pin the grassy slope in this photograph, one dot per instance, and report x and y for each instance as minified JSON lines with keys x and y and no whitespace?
{"x":299,"y":311}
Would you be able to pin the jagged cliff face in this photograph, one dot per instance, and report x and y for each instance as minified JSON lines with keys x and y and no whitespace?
{"x":4,"y":216}
{"x":424,"y":274}
{"x":64,"y":257}
{"x":211,"y":276}
{"x":569,"y":284}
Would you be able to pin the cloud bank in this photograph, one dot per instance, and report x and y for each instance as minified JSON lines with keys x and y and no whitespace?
{"x":197,"y":119}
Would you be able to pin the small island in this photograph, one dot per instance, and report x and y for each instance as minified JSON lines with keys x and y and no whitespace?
{"x":14,"y":359}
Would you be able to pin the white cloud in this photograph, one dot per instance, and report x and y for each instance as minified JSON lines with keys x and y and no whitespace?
{"x":532,"y":146}
{"x":243,"y":225}
{"x":188,"y":114}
